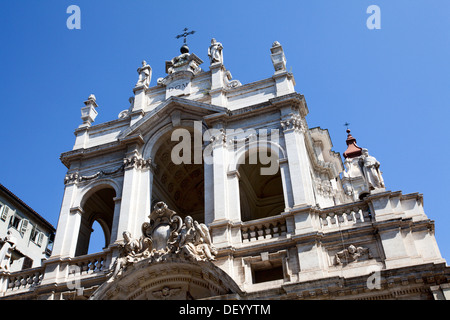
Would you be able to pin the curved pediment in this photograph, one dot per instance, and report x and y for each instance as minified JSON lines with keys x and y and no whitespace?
{"x":175,"y":278}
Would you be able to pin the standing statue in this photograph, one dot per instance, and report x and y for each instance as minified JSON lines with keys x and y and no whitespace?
{"x":144,"y":74}
{"x":8,"y":246}
{"x":215,"y":51}
{"x":371,"y":170}
{"x":195,"y":240}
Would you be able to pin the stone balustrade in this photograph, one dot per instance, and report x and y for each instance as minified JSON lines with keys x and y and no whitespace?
{"x":79,"y":268}
{"x":265,"y":228}
{"x":89,"y":264}
{"x":23,"y":280}
{"x":344,"y":217}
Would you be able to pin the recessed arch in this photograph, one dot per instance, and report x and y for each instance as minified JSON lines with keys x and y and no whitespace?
{"x":261,"y":195}
{"x":181,"y":185}
{"x":244,"y":152}
{"x":89,"y":189}
{"x":97,"y":205}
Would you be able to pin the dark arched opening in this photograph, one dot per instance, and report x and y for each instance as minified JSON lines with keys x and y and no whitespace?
{"x":99,"y":207}
{"x":261,"y":195}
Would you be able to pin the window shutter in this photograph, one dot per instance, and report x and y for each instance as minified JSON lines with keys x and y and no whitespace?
{"x":24,"y":226}
{"x":40,"y":238}
{"x":5,"y":212}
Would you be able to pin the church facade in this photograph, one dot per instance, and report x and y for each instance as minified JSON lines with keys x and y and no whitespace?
{"x":207,"y":188}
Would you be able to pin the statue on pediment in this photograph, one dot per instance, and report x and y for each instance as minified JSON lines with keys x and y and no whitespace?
{"x":145,"y":73}
{"x":215,"y":52}
{"x":163,"y":236}
{"x":371,"y":170}
{"x":195,"y":240}
{"x":131,"y":250}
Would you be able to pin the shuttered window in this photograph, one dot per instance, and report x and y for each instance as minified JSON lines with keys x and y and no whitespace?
{"x":4,"y":210}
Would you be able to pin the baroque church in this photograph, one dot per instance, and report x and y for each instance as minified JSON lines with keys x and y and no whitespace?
{"x":207,"y":188}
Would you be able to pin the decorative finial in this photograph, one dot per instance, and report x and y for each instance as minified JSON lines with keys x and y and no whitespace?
{"x":353,"y":150}
{"x":185,"y":48}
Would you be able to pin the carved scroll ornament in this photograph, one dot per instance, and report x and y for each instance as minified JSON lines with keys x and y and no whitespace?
{"x":163,"y":236}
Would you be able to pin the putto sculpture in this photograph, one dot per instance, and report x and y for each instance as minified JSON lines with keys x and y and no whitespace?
{"x":351,"y":254}
{"x":163,"y":236}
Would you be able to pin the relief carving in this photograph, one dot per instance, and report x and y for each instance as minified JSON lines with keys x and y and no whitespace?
{"x":351,"y":254}
{"x":163,"y":236}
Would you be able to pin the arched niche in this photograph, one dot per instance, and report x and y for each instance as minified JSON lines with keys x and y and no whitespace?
{"x":97,"y":205}
{"x":260,"y":190}
{"x":180,"y":185}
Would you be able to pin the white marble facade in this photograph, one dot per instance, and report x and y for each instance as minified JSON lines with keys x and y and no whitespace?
{"x":305,"y":224}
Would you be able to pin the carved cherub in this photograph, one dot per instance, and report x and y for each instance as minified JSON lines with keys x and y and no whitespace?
{"x":351,"y":254}
{"x":195,"y":240}
{"x":131,"y":250}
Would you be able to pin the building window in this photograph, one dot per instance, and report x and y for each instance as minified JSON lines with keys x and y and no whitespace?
{"x":36,"y":236}
{"x":15,"y":222}
{"x":19,"y":224}
{"x":270,"y":273}
{"x":266,"y":267}
{"x":4,"y":210}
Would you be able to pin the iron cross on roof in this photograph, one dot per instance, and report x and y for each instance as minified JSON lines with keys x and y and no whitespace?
{"x":185,"y":34}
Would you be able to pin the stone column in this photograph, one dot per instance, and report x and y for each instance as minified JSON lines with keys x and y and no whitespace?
{"x":234,"y":203}
{"x":68,"y":224}
{"x":115,"y":225}
{"x":299,"y":167}
{"x":219,"y":159}
{"x":287,"y":185}
{"x":136,"y":193}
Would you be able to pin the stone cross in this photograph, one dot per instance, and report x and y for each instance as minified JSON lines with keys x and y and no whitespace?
{"x":185,"y":34}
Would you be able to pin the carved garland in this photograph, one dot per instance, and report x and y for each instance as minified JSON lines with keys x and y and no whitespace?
{"x":128,"y":163}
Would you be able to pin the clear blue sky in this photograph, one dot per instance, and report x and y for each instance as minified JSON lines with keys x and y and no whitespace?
{"x":392,"y":85}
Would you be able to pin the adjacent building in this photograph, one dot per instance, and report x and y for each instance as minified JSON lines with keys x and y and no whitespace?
{"x":29,"y":235}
